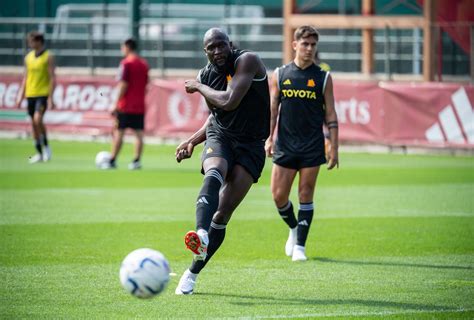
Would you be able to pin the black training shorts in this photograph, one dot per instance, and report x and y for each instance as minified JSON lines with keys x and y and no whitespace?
{"x":130,"y":120}
{"x":250,"y":155}
{"x":37,"y":104}
{"x":297,"y":161}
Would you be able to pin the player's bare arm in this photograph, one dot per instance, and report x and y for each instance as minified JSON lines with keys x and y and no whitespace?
{"x":332,"y":124}
{"x":52,"y":77}
{"x":249,"y":66}
{"x":185,"y":149}
{"x":21,"y":92}
{"x":274,"y":104}
{"x":122,"y":89}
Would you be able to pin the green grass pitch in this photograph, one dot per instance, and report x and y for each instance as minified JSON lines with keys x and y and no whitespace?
{"x":393,"y":237}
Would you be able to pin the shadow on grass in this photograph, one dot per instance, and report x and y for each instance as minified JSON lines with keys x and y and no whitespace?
{"x":390,"y":264}
{"x":251,"y":300}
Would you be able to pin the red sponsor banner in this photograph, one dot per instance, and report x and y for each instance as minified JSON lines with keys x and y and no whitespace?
{"x":436,"y":114}
{"x":360,"y":111}
{"x":171,"y":111}
{"x":428,"y":114}
{"x":81,"y":105}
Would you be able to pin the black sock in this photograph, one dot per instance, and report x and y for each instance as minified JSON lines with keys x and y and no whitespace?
{"x":208,"y":199}
{"x":112,"y":161}
{"x":38,"y":146}
{"x":137,"y":159}
{"x":305,"y":216}
{"x":44,"y":140}
{"x":216,"y":237}
{"x":287,"y":214}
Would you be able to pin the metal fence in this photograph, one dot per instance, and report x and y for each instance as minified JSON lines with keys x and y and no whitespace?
{"x":177,"y":44}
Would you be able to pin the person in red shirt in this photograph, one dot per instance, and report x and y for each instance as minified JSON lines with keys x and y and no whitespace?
{"x":130,"y":107}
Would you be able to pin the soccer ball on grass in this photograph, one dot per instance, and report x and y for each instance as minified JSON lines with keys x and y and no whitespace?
{"x":144,"y":273}
{"x":102,"y":159}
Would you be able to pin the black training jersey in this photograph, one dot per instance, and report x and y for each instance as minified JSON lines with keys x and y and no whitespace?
{"x":301,"y":117}
{"x":251,"y":119}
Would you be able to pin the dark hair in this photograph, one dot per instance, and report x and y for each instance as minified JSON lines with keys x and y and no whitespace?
{"x":305,"y":32}
{"x":131,"y":44}
{"x":36,"y":36}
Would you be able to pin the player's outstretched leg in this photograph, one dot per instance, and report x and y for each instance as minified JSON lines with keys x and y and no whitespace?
{"x":237,"y":186}
{"x":206,"y":205}
{"x":305,"y":216}
{"x":188,"y":279}
{"x":208,"y":198}
{"x":198,"y":241}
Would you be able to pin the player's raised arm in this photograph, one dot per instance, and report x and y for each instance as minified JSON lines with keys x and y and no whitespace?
{"x":332,"y":124}
{"x":185,"y":149}
{"x":228,"y":100}
{"x":274,"y":104}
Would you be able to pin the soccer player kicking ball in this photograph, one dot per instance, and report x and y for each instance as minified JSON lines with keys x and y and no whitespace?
{"x":235,"y":86}
{"x":302,"y":99}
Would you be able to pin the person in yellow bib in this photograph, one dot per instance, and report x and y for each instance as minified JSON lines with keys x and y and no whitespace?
{"x":38,"y":86}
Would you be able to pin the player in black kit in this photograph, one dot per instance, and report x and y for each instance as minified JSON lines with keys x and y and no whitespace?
{"x":235,"y":86}
{"x":302,"y":99}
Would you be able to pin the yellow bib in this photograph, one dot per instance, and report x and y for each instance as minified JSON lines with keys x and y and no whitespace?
{"x":324,"y":66}
{"x":37,"y":77}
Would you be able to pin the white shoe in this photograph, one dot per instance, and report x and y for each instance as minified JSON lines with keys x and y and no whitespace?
{"x":290,"y":243}
{"x":46,"y":153}
{"x":36,"y":158}
{"x":186,"y":283}
{"x":135,"y":165}
{"x":197,"y":242}
{"x":299,"y":253}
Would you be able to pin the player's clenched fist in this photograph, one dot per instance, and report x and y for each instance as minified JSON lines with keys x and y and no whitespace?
{"x":333,"y":159}
{"x":191,"y":86}
{"x":184,"y":151}
{"x":269,"y":147}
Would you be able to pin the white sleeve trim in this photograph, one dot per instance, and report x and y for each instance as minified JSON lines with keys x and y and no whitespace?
{"x":277,"y":72}
{"x":261,"y":79}
{"x":235,"y":66}
{"x":325,"y":81}
{"x":199,"y":76}
{"x":235,"y":62}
